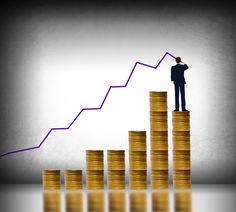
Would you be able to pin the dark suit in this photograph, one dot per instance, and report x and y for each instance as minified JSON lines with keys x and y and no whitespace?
{"x":177,"y":76}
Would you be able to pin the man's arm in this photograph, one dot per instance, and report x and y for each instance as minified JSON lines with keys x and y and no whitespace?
{"x":185,"y":66}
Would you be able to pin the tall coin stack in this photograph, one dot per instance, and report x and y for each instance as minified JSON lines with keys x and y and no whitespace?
{"x":95,"y":169}
{"x":73,"y":179}
{"x":137,"y":160}
{"x":159,"y":140}
{"x":116,"y":169}
{"x":181,"y":150}
{"x":51,"y":179}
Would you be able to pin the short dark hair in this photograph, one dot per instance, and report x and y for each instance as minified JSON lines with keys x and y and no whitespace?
{"x":178,"y":59}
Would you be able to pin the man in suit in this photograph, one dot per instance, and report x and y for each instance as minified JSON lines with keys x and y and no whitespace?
{"x":177,"y":77}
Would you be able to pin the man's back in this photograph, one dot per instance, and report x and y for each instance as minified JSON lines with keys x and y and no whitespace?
{"x":177,"y":73}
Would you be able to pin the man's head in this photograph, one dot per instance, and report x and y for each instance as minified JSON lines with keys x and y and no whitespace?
{"x":178,"y":59}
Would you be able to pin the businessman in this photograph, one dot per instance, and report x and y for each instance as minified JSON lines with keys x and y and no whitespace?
{"x":177,"y":77}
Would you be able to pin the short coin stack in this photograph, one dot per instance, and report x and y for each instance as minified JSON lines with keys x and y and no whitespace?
{"x":137,"y":160}
{"x":117,"y":202}
{"x":183,"y":201}
{"x":73,"y":179}
{"x":116,"y":169}
{"x":160,"y":202}
{"x":52,"y":202}
{"x":51,"y":180}
{"x":159,"y":140}
{"x":74,"y":202}
{"x":181,"y":150}
{"x":95,"y":169}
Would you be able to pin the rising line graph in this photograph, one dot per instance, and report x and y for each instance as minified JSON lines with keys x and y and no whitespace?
{"x":88,"y":109}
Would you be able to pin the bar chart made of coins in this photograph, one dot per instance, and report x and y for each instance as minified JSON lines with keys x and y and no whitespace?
{"x":137,"y":157}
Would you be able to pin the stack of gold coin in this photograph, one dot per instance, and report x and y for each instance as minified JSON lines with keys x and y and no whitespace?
{"x":182,"y":179}
{"x":158,"y":101}
{"x":181,"y":159}
{"x":159,"y":159}
{"x":137,"y":160}
{"x":74,"y":202}
{"x":138,"y":179}
{"x":95,"y":201}
{"x":137,"y":141}
{"x":183,"y":201}
{"x":181,"y":121}
{"x":52,"y":202}
{"x":117,"y":202}
{"x":181,"y":140}
{"x":160,"y":201}
{"x":51,"y":180}
{"x":73,"y":179}
{"x":95,"y":169}
{"x":116,"y":169}
{"x":181,"y":150}
{"x":138,"y":201}
{"x":159,"y":139}
{"x":159,"y":179}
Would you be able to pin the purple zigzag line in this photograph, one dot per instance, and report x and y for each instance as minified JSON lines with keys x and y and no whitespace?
{"x":98,"y":108}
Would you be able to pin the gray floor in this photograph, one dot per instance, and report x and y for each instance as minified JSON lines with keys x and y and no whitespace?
{"x":204,"y":198}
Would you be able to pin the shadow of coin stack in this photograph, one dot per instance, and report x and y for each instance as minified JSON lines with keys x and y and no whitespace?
{"x":96,"y":201}
{"x":160,"y":201}
{"x":74,"y":202}
{"x":137,"y":160}
{"x":183,"y":201}
{"x":181,"y":150}
{"x":116,"y":169}
{"x":117,"y":201}
{"x":52,"y":201}
{"x":159,"y":140}
{"x":95,"y":169}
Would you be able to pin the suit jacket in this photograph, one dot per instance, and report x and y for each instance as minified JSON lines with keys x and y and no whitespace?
{"x":177,"y":74}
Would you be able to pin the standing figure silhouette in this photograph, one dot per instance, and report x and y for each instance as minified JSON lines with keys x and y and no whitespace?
{"x":177,"y":77}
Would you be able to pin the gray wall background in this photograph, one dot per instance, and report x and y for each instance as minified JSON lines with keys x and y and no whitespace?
{"x":119,"y":33}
